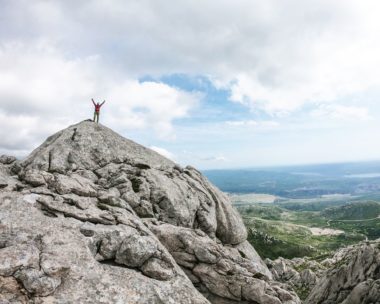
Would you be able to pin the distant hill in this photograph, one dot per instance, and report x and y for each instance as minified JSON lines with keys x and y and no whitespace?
{"x":353,"y":211}
{"x":302,"y":181}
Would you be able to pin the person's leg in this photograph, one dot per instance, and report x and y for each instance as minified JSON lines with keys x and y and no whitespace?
{"x":94,"y":116}
{"x":97,"y":117}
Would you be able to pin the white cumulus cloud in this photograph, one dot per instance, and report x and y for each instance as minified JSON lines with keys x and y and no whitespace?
{"x":277,"y":57}
{"x":274,"y":55}
{"x":163,"y":152}
{"x":342,"y":113}
{"x":41,"y":92}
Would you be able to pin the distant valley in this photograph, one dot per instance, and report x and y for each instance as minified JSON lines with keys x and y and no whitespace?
{"x":305,"y":210}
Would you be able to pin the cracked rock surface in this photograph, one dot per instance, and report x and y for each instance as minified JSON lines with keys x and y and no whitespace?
{"x":353,"y":277}
{"x":92,"y":217}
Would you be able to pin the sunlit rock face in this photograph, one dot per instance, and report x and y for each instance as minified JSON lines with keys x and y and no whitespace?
{"x":92,"y":217}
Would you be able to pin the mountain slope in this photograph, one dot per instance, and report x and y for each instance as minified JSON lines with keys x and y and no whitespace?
{"x":92,"y":217}
{"x":353,"y":211}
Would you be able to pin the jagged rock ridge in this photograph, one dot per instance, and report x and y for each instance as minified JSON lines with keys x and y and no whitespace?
{"x":91,"y":217}
{"x":350,"y":276}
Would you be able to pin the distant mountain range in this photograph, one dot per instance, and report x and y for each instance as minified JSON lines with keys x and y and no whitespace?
{"x":360,"y":179}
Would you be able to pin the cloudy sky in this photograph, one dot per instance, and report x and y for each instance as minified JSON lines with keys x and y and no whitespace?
{"x":213,"y":83}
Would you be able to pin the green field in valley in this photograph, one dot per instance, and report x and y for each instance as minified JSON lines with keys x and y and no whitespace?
{"x":276,"y":231}
{"x":308,"y":210}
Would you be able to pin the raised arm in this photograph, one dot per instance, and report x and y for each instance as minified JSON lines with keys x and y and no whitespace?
{"x":102,"y":103}
{"x":93,"y":101}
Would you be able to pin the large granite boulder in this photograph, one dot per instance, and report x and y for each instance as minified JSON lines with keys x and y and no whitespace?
{"x":91,"y":217}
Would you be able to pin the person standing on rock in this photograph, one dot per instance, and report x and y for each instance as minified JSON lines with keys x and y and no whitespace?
{"x":97,"y":106}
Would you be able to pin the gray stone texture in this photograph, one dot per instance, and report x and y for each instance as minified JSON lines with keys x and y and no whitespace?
{"x":92,"y":217}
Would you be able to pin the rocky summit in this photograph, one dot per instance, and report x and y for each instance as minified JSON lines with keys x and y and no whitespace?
{"x":92,"y":217}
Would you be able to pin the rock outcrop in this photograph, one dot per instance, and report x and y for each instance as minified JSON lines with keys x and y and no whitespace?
{"x":91,"y":217}
{"x":300,"y":273}
{"x":352,"y":278}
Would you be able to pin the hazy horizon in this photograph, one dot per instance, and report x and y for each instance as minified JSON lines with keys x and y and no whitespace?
{"x":295,"y":165}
